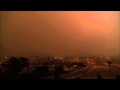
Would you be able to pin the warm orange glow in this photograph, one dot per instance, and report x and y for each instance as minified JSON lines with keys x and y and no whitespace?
{"x":53,"y":32}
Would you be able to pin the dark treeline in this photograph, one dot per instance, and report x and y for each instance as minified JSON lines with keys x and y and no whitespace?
{"x":13,"y":67}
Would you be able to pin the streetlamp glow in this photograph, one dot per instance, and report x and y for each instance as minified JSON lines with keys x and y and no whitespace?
{"x":5,"y":57}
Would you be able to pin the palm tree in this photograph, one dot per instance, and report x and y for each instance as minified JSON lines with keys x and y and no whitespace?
{"x":109,"y":65}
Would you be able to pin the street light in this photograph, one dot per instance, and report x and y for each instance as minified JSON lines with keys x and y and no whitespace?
{"x":5,"y":57}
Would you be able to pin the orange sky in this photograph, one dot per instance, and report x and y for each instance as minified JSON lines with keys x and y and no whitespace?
{"x":59,"y":33}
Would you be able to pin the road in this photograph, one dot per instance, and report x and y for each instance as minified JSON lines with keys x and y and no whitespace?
{"x":74,"y":73}
{"x":103,"y":70}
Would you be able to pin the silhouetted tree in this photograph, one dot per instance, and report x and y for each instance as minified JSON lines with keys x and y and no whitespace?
{"x":40,"y":72}
{"x":109,"y":65}
{"x":14,"y":66}
{"x":24,"y":62}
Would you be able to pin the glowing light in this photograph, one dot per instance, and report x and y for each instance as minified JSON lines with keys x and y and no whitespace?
{"x":118,"y":66}
{"x":74,"y":65}
{"x":107,"y":58}
{"x":55,"y":57}
{"x":5,"y":57}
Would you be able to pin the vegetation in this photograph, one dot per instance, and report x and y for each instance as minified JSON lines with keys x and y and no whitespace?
{"x":13,"y":67}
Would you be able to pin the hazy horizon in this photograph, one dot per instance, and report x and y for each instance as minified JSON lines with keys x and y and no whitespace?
{"x":59,"y":33}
